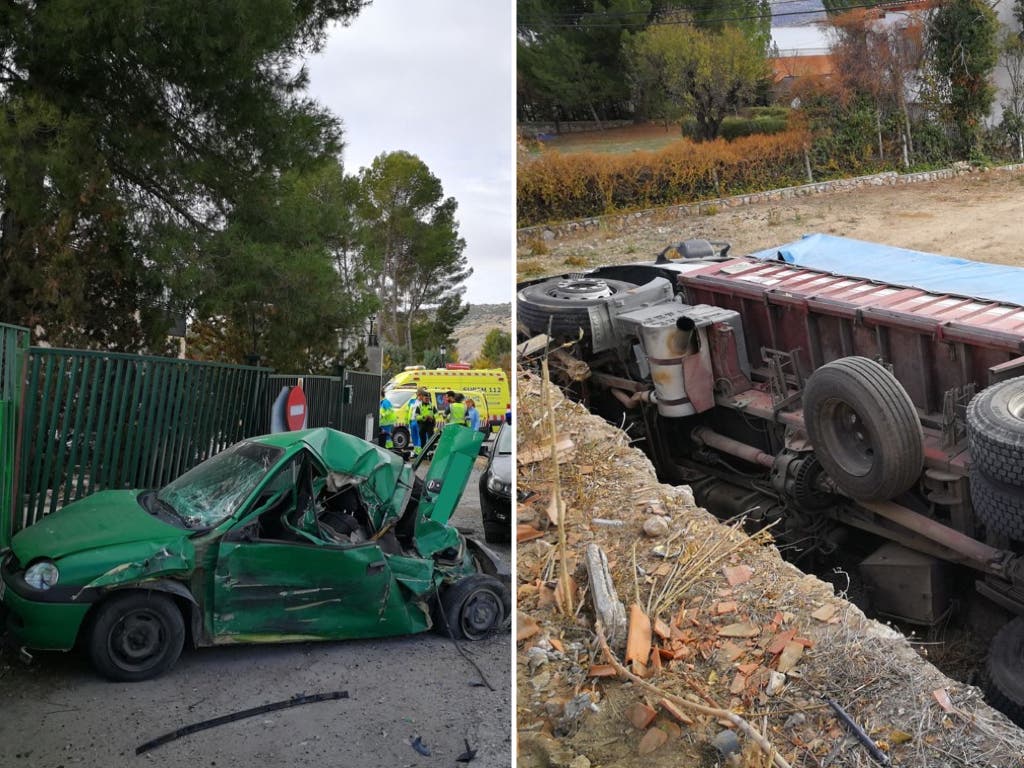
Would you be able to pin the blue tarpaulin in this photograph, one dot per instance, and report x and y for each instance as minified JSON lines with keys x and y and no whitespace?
{"x":903,"y":267}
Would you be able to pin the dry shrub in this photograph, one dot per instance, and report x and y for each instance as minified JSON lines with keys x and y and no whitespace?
{"x":558,"y":187}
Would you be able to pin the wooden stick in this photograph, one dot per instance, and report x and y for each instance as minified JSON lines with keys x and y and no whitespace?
{"x":564,"y":594}
{"x":742,"y":725}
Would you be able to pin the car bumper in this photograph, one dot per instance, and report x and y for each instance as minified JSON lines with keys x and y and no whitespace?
{"x":45,"y":625}
{"x":495,"y":509}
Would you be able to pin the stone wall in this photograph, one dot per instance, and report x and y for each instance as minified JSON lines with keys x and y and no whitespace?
{"x":625,"y":221}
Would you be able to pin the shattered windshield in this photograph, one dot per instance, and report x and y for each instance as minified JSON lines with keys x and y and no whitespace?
{"x":215,"y":489}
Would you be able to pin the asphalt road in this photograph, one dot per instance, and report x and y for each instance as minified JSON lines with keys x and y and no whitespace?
{"x":57,"y":712}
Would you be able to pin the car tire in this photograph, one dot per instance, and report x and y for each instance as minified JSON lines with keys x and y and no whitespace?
{"x":136,"y":636}
{"x":473,"y":608}
{"x":999,"y":506}
{"x":995,"y":431}
{"x":542,"y":307}
{"x":864,"y":428}
{"x":400,"y":438}
{"x":1003,"y":683}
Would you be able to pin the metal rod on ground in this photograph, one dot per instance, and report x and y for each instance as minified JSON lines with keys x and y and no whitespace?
{"x":861,"y":735}
{"x":234,"y":716}
{"x":564,"y":590}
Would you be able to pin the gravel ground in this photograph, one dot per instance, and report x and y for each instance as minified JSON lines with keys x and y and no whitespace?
{"x":57,"y":712}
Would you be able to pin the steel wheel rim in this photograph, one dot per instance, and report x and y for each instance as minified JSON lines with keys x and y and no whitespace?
{"x":481,"y":613}
{"x":848,"y":438}
{"x":138,"y":640}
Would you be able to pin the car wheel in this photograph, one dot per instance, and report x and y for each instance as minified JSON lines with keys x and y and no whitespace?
{"x":1004,"y":686}
{"x":474,"y":607}
{"x":400,"y":438}
{"x":864,"y":428}
{"x":136,"y":636}
{"x":995,"y":431}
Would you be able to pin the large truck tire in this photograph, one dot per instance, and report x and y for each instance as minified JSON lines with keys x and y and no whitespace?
{"x":995,"y":431}
{"x":563,"y":305}
{"x":864,"y":428}
{"x":1004,"y":671}
{"x":998,"y":505}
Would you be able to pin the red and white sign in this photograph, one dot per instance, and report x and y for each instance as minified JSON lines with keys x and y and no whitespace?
{"x":295,"y":409}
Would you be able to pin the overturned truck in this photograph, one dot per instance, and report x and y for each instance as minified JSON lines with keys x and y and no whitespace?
{"x":860,"y":399}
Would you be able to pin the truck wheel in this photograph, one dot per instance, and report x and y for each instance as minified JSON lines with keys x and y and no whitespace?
{"x":995,"y":431}
{"x":998,"y":505}
{"x":135,"y":636}
{"x":400,"y":438}
{"x":474,"y":607}
{"x":864,"y":428}
{"x":565,"y":302}
{"x":1004,"y":681}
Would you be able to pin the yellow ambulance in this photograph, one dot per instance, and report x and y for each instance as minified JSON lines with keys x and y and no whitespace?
{"x":488,"y":387}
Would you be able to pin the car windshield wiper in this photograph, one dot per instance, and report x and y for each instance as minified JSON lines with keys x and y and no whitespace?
{"x":169,"y":508}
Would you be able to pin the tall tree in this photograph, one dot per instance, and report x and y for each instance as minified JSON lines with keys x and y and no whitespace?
{"x":963,"y":51}
{"x":496,"y":351}
{"x":409,"y":233}
{"x":286,"y":280}
{"x":128,"y":131}
{"x":880,"y":62}
{"x":752,"y":17}
{"x":710,"y":74}
{"x":569,"y":57}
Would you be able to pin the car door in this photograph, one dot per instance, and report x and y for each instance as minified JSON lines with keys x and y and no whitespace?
{"x":443,"y":486}
{"x":276,"y":579}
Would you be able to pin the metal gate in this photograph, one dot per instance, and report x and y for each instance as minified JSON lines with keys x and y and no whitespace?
{"x":99,"y":420}
{"x":13,"y":349}
{"x":365,"y":402}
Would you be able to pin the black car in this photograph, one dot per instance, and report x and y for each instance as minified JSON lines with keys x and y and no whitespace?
{"x":496,"y":488}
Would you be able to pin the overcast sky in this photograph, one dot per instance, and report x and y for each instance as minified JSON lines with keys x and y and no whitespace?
{"x":434,"y":77}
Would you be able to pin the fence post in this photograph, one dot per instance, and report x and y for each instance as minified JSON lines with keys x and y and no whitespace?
{"x":13,"y":349}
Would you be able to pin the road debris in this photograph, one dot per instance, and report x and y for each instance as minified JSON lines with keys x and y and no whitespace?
{"x":417,"y":743}
{"x":295,"y":701}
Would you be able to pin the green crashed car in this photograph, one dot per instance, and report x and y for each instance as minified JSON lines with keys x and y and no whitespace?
{"x":310,"y":535}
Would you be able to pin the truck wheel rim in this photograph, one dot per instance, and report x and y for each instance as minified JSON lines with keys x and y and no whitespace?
{"x":1016,"y":406}
{"x":848,"y":438}
{"x":137,"y":640}
{"x":581,"y":289}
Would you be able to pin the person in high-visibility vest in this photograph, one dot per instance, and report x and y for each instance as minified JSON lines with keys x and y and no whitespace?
{"x":387,"y":422}
{"x":426,"y":416}
{"x":457,"y":410}
{"x":412,"y":419}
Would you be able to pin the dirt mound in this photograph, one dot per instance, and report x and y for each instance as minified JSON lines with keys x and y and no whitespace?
{"x":732,"y":626}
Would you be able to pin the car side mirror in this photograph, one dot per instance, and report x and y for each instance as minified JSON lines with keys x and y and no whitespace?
{"x":485,"y":451}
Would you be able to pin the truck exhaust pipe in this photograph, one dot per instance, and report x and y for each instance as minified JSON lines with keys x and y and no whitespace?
{"x":710,"y":438}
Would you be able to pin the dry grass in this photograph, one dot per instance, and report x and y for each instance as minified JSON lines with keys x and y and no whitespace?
{"x":871,"y":671}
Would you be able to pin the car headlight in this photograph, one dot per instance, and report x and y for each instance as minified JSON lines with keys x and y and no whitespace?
{"x":42,"y":575}
{"x":497,"y":485}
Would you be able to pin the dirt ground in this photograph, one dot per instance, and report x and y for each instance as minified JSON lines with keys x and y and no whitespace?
{"x":975,"y":216}
{"x":57,"y":712}
{"x":568,"y":716}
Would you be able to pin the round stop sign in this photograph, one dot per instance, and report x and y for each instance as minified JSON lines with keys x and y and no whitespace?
{"x":295,"y":409}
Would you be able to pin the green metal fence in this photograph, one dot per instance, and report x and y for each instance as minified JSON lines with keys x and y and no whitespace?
{"x":13,"y":348}
{"x":96,"y":420}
